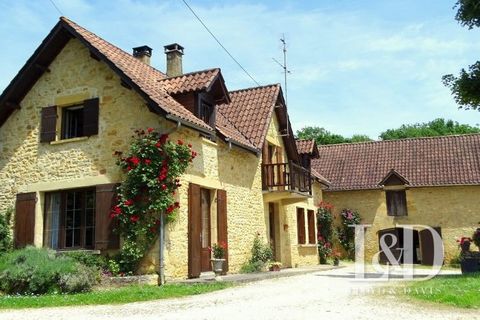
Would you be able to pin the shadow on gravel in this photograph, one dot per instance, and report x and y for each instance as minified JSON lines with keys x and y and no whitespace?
{"x":371,"y":275}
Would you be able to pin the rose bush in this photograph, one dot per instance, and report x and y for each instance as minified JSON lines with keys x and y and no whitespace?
{"x":325,"y":231}
{"x":152,"y":169}
{"x":346,"y":233}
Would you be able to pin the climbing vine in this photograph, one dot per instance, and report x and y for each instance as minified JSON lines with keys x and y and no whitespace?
{"x":152,"y":168}
{"x":325,"y":231}
{"x":346,"y":233}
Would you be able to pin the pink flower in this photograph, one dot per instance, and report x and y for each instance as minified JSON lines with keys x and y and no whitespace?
{"x":150,"y":130}
{"x":128,"y":202}
{"x":134,"y":218}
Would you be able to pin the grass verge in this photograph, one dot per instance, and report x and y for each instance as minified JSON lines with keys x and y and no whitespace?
{"x":122,"y":295}
{"x":461,"y":291}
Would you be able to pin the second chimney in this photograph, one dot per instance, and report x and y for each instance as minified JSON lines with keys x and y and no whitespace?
{"x":143,"y":54}
{"x":174,"y":54}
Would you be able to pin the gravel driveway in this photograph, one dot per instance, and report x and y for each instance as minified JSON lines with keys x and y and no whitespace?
{"x":322,"y":295}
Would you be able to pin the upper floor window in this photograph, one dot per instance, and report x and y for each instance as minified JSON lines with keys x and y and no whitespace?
{"x":67,"y":122}
{"x":206,"y":112}
{"x":396,"y":202}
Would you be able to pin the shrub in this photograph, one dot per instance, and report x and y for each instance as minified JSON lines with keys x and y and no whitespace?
{"x":39,"y":271}
{"x":261,"y":254}
{"x":87,"y":259}
{"x":5,"y":232}
{"x":325,"y":231}
{"x":82,"y":280}
{"x":250,"y":267}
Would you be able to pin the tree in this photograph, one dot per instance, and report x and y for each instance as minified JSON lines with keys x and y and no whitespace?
{"x":323,"y":136}
{"x":466,"y":87}
{"x":437,"y":127}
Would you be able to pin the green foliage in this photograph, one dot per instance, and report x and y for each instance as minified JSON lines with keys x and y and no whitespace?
{"x":468,"y":14}
{"x":218,"y":250}
{"x":323,"y":136}
{"x":122,"y":295}
{"x":86,"y":258}
{"x":325,"y":231}
{"x":465,"y":88}
{"x":113,"y":267}
{"x":437,"y":127}
{"x":39,"y":271}
{"x":476,"y":237}
{"x":346,"y":233}
{"x":6,"y":242}
{"x":261,"y":254}
{"x":152,"y":169}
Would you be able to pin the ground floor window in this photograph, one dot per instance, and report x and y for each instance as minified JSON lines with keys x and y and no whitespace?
{"x":70,"y":219}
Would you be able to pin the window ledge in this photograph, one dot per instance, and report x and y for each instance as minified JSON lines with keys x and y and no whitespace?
{"x":309,"y":245}
{"x":68,"y":140}
{"x":90,"y":251}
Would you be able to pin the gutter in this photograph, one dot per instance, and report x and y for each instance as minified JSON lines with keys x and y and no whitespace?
{"x":241,"y":145}
{"x":188,"y":124}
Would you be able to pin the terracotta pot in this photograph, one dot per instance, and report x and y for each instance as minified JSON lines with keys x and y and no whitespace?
{"x":274,"y":268}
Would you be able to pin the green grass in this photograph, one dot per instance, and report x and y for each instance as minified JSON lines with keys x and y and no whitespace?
{"x":122,"y":295}
{"x":461,"y":291}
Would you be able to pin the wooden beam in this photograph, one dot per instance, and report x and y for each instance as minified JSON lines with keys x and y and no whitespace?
{"x":12,"y":105}
{"x":125,"y":84}
{"x":94,"y":56}
{"x":42,"y":67}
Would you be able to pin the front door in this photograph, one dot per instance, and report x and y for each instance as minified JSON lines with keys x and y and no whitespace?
{"x":271,"y":222}
{"x":205,"y":230}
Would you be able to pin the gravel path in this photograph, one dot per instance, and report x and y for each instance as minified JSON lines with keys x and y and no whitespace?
{"x":322,"y":295}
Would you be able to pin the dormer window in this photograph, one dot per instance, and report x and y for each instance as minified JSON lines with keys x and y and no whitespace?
{"x":206,"y":112}
{"x":394,"y":185}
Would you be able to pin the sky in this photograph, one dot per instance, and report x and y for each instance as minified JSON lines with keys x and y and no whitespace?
{"x":357,"y":67}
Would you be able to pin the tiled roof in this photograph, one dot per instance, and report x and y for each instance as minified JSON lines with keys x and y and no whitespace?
{"x":437,"y":161}
{"x":188,"y":82}
{"x":321,"y":178}
{"x":227,"y":129}
{"x":144,"y":76}
{"x":250,"y":111}
{"x":305,"y":146}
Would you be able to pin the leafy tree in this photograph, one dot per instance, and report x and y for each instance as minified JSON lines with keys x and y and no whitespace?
{"x":437,"y":127}
{"x":323,"y":136}
{"x":466,"y":87}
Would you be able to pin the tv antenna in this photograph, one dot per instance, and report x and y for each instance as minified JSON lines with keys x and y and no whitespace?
{"x":284,"y":65}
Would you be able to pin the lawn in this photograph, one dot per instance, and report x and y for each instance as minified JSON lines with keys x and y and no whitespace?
{"x":128,"y":294}
{"x":456,"y":290}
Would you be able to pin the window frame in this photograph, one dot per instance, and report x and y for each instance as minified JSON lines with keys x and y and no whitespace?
{"x":301,"y":235}
{"x":62,"y":227}
{"x":64,"y":111}
{"x":311,"y":226}
{"x":396,"y":207}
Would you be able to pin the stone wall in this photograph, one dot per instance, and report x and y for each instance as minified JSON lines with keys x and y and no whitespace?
{"x":454,"y":209}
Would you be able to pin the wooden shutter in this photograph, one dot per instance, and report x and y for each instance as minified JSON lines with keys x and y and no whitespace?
{"x":265,"y":161}
{"x":48,"y":125}
{"x":222,"y":228}
{"x":90,"y":117}
{"x":194,"y":230}
{"x":105,"y":238}
{"x":427,"y":245}
{"x":395,"y":233}
{"x":311,"y":226}
{"x":24,"y":219}
{"x":301,"y":225}
{"x":280,"y":172}
{"x":396,"y":203}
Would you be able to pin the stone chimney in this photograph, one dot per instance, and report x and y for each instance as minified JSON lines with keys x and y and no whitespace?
{"x":143,"y":54}
{"x":174,"y":54}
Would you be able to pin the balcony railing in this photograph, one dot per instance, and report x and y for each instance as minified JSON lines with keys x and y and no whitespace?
{"x":286,"y":177}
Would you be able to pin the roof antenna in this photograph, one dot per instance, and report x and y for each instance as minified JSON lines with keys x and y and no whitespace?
{"x":285,"y":73}
{"x":284,"y":65}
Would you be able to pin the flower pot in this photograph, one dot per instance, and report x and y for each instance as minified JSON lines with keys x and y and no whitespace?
{"x":274,"y":268}
{"x":217,"y":266}
{"x":336,"y":262}
{"x":323,"y":260}
{"x":470,"y":264}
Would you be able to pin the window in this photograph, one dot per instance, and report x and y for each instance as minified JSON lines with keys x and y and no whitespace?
{"x":79,"y":120}
{"x":72,"y":122}
{"x":396,"y":202}
{"x":311,"y":226}
{"x":301,"y":225}
{"x":206,"y":112}
{"x":70,"y":219}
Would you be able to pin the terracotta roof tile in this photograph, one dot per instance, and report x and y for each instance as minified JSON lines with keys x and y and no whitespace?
{"x":305,"y":146}
{"x":194,"y":81}
{"x":436,"y":161}
{"x":147,"y":78}
{"x":229,"y":131}
{"x":250,"y":111}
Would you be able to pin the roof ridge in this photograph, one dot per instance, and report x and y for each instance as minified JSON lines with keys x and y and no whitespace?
{"x":257,"y":87}
{"x":190,"y":73}
{"x":233,"y":125}
{"x":396,"y":140}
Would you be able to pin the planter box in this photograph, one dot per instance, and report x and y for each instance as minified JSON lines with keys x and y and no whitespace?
{"x":470,"y":264}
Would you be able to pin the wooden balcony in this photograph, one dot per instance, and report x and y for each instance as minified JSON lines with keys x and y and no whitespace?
{"x":286,"y":177}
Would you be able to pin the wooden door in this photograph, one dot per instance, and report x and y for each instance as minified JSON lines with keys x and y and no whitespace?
{"x":222,"y":224}
{"x":427,"y":245}
{"x":194,"y":230}
{"x":205,"y":234}
{"x":24,"y":229}
{"x":394,"y":233}
{"x":271,"y":223}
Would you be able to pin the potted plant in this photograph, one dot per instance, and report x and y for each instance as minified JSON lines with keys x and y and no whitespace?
{"x":469,"y":262}
{"x":218,"y":252}
{"x":336,"y":257}
{"x":274,"y":266}
{"x":476,"y":238}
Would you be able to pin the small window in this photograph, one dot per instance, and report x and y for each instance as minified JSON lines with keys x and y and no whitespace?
{"x":311,"y":226}
{"x":70,"y":219}
{"x":396,"y":202}
{"x":72,"y":122}
{"x":301,"y":225}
